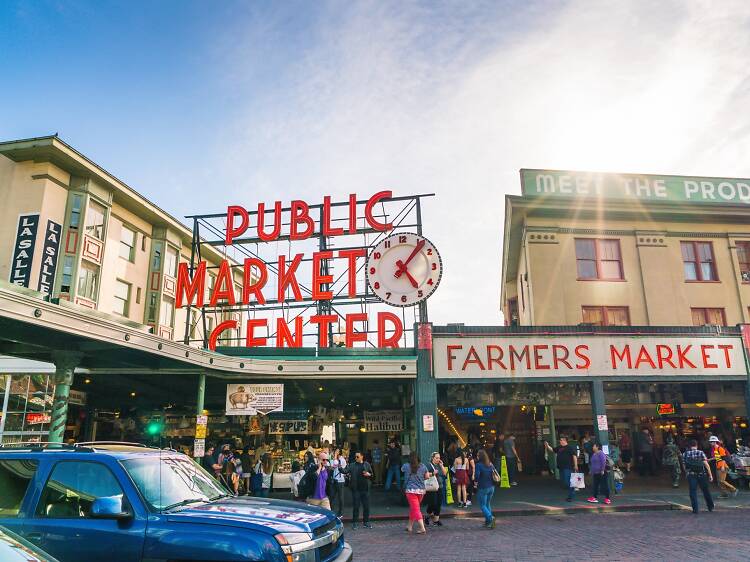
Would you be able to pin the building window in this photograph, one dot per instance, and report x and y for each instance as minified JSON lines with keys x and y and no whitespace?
{"x":122,"y":298}
{"x":698,"y":261}
{"x":743,"y":255}
{"x":95,"y":220}
{"x":75,"y":211}
{"x":88,"y":281}
{"x":156,"y":260}
{"x":166,"y":313}
{"x":138,"y":295}
{"x":599,"y":259}
{"x":606,"y":315}
{"x":153,"y":301}
{"x":67,"y":274}
{"x":512,"y":319}
{"x":127,"y":244}
{"x":170,"y":262}
{"x":708,"y":317}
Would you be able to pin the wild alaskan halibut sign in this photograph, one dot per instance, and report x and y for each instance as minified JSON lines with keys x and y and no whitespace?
{"x":545,"y":356}
{"x":572,"y":184}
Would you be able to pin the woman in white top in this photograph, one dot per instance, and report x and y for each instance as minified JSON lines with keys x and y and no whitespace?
{"x":338,"y":463}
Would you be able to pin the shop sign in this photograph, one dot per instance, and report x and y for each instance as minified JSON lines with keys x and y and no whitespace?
{"x":288,"y":426}
{"x":77,"y":397}
{"x":428,"y":422}
{"x":665,"y":409}
{"x":49,"y":257}
{"x":246,"y":399}
{"x":601,"y":422}
{"x":254,"y":426}
{"x":201,"y":427}
{"x":384,"y":420}
{"x":566,"y":184}
{"x":23,"y":249}
{"x":549,"y":356}
{"x":37,"y":418}
{"x":199,"y":448}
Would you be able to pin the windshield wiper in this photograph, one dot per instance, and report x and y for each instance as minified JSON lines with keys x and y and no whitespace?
{"x":184,"y":502}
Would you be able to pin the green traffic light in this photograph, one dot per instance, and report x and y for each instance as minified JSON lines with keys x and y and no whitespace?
{"x":153,"y":428}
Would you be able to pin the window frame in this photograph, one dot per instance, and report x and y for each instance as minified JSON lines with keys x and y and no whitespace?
{"x":605,"y":310}
{"x":96,"y":271}
{"x":744,"y":273}
{"x":97,"y":231}
{"x":164,"y":305}
{"x":698,"y":262}
{"x":126,"y":301}
{"x":704,"y":310}
{"x":598,"y":260}
{"x":123,"y":244}
{"x":40,"y":497}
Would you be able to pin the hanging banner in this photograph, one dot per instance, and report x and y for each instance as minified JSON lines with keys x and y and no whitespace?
{"x":384,"y":420}
{"x":288,"y":426}
{"x":49,"y":257}
{"x":23,"y":249}
{"x":247,"y":399}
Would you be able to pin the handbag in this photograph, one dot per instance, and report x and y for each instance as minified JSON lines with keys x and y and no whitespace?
{"x":431,"y":484}
{"x":495,"y":476}
{"x":577,"y":481}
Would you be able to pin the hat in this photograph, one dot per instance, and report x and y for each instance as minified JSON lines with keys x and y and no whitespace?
{"x":713,"y":439}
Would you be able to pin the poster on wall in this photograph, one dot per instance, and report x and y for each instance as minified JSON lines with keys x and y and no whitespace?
{"x":23,"y":249}
{"x":288,"y":426}
{"x":384,"y":420}
{"x":246,"y":399}
{"x":49,"y":257}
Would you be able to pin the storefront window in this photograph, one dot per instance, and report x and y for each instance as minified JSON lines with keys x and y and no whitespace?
{"x":88,"y":281}
{"x":29,"y":407}
{"x":95,"y":220}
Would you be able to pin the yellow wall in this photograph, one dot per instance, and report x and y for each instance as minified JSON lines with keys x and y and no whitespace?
{"x":654,"y":288}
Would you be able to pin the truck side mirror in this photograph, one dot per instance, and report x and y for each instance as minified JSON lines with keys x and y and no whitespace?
{"x":109,"y":507}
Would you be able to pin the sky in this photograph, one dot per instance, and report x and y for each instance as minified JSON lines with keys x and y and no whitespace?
{"x":259,"y":101}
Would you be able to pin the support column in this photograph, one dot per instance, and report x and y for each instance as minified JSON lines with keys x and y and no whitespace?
{"x":598,"y":408}
{"x":425,"y":393}
{"x":746,"y":346}
{"x":201,"y":395}
{"x":65,"y":364}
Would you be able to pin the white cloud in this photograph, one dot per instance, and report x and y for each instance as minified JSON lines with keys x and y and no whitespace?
{"x":420,"y":98}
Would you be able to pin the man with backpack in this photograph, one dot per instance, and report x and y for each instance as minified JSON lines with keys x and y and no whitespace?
{"x":698,"y":474}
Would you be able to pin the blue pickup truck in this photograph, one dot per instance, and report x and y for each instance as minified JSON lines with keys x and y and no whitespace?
{"x":128,"y":503}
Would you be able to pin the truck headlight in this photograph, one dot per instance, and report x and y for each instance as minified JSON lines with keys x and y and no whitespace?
{"x":298,"y":547}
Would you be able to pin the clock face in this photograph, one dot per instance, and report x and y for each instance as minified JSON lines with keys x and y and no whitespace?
{"x":404,"y":269}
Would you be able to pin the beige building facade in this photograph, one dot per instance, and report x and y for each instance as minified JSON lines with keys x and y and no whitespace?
{"x":626,"y":249}
{"x":73,"y":231}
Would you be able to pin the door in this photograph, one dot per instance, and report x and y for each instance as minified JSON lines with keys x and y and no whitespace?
{"x":62,"y":524}
{"x":15,"y":477}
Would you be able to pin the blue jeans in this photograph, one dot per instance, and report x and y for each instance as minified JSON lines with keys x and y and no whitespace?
{"x":484,"y":495}
{"x":394,"y":472}
{"x":565,"y":481}
{"x":693,"y":482}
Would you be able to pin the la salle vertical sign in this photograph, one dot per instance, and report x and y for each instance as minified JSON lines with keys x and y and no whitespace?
{"x":49,"y":257}
{"x":23,"y":249}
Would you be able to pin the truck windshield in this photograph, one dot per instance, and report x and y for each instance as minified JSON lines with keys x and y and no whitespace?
{"x":166,"y":482}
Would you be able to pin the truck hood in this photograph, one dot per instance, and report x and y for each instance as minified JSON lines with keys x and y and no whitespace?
{"x":274,"y":516}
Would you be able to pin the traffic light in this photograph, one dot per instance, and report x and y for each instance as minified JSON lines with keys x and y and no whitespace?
{"x":154,"y":427}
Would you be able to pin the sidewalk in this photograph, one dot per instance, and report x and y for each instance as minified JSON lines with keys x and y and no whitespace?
{"x":538,"y":495}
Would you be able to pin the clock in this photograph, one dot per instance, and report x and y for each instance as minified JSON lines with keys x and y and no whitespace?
{"x":404,"y":269}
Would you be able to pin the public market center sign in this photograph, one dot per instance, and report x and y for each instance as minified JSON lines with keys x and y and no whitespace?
{"x":571,"y":184}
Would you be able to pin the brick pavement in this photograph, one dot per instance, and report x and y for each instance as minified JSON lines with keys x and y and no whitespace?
{"x":628,"y":536}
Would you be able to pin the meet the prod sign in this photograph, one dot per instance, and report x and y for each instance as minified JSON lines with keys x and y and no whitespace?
{"x":274,"y":282}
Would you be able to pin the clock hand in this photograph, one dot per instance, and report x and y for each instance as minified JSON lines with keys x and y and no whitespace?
{"x":402,"y":269}
{"x":414,"y":252}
